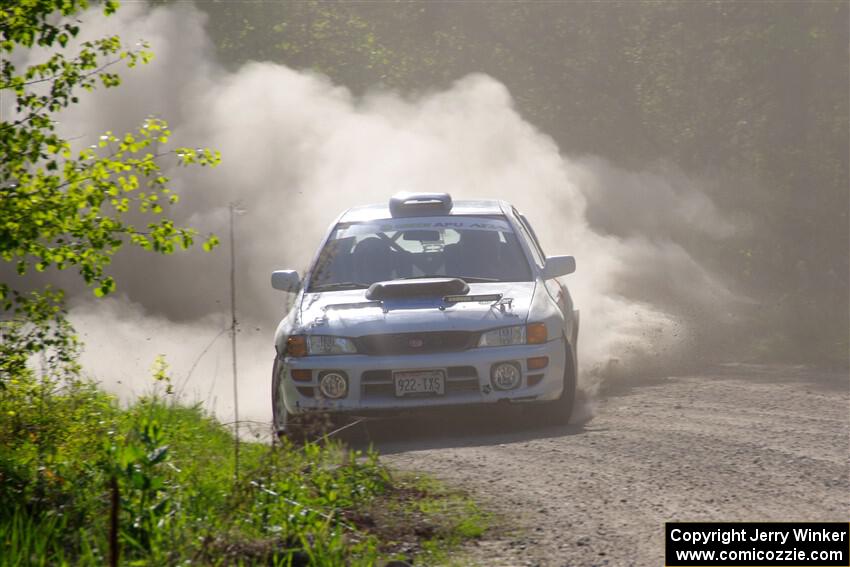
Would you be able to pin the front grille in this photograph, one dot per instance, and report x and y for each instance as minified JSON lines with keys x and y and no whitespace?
{"x":416,"y":343}
{"x":379,"y":383}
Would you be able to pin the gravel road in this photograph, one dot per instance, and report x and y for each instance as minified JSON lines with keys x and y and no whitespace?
{"x":741,"y":442}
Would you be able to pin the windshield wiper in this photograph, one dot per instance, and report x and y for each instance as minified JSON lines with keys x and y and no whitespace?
{"x":468,"y":279}
{"x":336,"y":286}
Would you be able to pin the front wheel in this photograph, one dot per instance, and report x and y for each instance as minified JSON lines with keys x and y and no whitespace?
{"x":280,"y":417}
{"x":558,"y":412}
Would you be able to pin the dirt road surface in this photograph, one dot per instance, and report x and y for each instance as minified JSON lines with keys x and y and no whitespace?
{"x":739,"y":443}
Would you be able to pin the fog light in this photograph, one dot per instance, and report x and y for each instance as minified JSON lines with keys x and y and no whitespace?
{"x":333,"y":385}
{"x":505,"y":375}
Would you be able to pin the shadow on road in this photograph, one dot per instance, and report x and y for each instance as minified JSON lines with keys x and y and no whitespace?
{"x":449,"y":429}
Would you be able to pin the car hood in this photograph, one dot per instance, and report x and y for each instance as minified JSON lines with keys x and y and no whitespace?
{"x":349,"y":313}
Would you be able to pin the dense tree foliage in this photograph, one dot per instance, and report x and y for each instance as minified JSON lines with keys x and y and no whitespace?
{"x":750,"y":95}
{"x":59,"y":207}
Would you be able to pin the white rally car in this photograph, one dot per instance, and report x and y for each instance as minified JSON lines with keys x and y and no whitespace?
{"x":426,"y":302}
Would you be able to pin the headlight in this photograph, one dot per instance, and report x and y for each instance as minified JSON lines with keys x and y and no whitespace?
{"x":300,"y":345}
{"x":503,"y":337}
{"x":324,"y":344}
{"x":532,"y":334}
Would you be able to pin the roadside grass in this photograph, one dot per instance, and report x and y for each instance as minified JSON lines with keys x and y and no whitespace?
{"x":70,"y":457}
{"x":421,"y":520}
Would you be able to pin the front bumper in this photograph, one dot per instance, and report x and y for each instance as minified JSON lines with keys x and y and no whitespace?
{"x":371,"y":386}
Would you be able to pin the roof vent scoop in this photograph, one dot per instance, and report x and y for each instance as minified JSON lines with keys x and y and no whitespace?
{"x":420,"y":204}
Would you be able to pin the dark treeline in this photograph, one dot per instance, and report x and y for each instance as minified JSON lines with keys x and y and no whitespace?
{"x":751,"y":98}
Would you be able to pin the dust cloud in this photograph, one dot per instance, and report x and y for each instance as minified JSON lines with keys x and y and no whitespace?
{"x":297,"y":150}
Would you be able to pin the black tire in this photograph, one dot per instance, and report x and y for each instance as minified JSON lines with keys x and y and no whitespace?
{"x":280,"y":417}
{"x":558,"y":412}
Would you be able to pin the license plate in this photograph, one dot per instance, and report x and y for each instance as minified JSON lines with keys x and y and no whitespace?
{"x":426,"y":382}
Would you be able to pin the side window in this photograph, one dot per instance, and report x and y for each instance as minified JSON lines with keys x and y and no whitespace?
{"x":536,"y":252}
{"x":533,"y":234}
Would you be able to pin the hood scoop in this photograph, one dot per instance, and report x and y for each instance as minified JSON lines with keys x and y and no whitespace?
{"x":424,"y":287}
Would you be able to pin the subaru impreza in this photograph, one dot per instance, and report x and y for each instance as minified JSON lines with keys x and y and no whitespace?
{"x":424,"y":302}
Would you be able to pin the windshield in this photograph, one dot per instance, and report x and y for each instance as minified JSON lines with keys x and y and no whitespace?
{"x":476,"y":249}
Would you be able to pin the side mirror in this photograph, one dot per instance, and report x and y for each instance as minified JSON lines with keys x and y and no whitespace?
{"x":286,"y":280}
{"x":557,"y":266}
